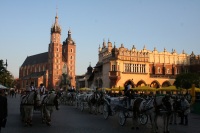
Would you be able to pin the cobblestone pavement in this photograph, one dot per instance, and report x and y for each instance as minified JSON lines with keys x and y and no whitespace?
{"x":71,"y":120}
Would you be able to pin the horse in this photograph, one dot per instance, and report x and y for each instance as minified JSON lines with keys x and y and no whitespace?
{"x":95,"y":100}
{"x":28,"y":101}
{"x":154,"y":107}
{"x":100,"y":101}
{"x":176,"y":109}
{"x":68,"y":97}
{"x":49,"y":102}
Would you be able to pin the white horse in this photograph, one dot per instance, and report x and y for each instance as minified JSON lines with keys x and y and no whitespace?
{"x":27,"y":104}
{"x":49,"y":103}
{"x":68,"y":97}
{"x":157,"y":106}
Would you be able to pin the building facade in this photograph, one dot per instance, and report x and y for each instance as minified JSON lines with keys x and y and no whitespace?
{"x":55,"y":68}
{"x":119,"y":66}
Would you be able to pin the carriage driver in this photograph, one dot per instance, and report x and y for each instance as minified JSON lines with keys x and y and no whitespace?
{"x":42,"y":91}
{"x":31,"y":88}
{"x":127,"y":93}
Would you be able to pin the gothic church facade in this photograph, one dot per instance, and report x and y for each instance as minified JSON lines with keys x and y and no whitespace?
{"x":55,"y":68}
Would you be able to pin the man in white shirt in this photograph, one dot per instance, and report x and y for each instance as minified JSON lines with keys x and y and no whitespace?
{"x":42,"y":91}
{"x":32,"y":87}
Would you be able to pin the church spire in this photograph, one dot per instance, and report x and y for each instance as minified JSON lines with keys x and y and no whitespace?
{"x":56,"y":27}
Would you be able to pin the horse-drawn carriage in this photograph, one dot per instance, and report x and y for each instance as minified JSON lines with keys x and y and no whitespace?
{"x":68,"y":97}
{"x":32,"y":101}
{"x":114,"y":105}
{"x":92,"y":100}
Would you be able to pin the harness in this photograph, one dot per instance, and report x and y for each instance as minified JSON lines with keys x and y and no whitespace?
{"x":147,"y":104}
{"x":46,"y":100}
{"x":26,"y":100}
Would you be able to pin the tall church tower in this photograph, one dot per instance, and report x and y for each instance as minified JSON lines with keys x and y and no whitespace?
{"x":69,"y":53}
{"x":55,"y":56}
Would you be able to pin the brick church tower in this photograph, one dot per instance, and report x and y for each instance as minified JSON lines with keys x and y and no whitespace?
{"x":69,"y":53}
{"x":55,"y":56}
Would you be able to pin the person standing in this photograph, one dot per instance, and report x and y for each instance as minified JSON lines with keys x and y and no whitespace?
{"x":127,"y":93}
{"x":185,"y":110}
{"x":3,"y":109}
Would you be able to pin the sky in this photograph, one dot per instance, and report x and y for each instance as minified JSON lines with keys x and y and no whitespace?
{"x":25,"y":27}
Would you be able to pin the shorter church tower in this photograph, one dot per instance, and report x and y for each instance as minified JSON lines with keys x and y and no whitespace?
{"x":69,"y":54}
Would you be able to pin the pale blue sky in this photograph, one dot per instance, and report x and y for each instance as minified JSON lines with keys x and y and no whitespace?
{"x":25,"y":27}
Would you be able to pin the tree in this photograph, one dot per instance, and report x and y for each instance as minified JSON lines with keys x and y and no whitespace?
{"x":6,"y":78}
{"x":65,"y":80}
{"x":185,"y":80}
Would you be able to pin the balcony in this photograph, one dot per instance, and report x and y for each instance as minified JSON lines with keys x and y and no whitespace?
{"x":114,"y":75}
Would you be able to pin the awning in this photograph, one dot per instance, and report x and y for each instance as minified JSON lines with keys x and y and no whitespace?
{"x":2,"y":87}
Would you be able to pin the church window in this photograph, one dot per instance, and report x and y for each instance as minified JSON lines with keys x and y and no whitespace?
{"x":71,"y":50}
{"x":71,"y":57}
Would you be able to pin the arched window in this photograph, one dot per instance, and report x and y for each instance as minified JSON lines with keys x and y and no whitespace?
{"x":71,"y":50}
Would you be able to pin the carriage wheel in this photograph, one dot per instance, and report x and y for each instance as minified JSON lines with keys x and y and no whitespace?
{"x":143,"y":118}
{"x":100,"y":109}
{"x":71,"y":102}
{"x":105,"y":111}
{"x":82,"y":106}
{"x":122,"y":118}
{"x":76,"y":104}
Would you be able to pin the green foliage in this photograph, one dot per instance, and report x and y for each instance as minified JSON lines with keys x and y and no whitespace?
{"x":185,"y":80}
{"x":6,"y":78}
{"x":65,"y":80}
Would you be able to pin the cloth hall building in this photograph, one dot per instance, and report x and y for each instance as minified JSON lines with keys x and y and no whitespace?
{"x":54,"y":68}
{"x":119,"y":66}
